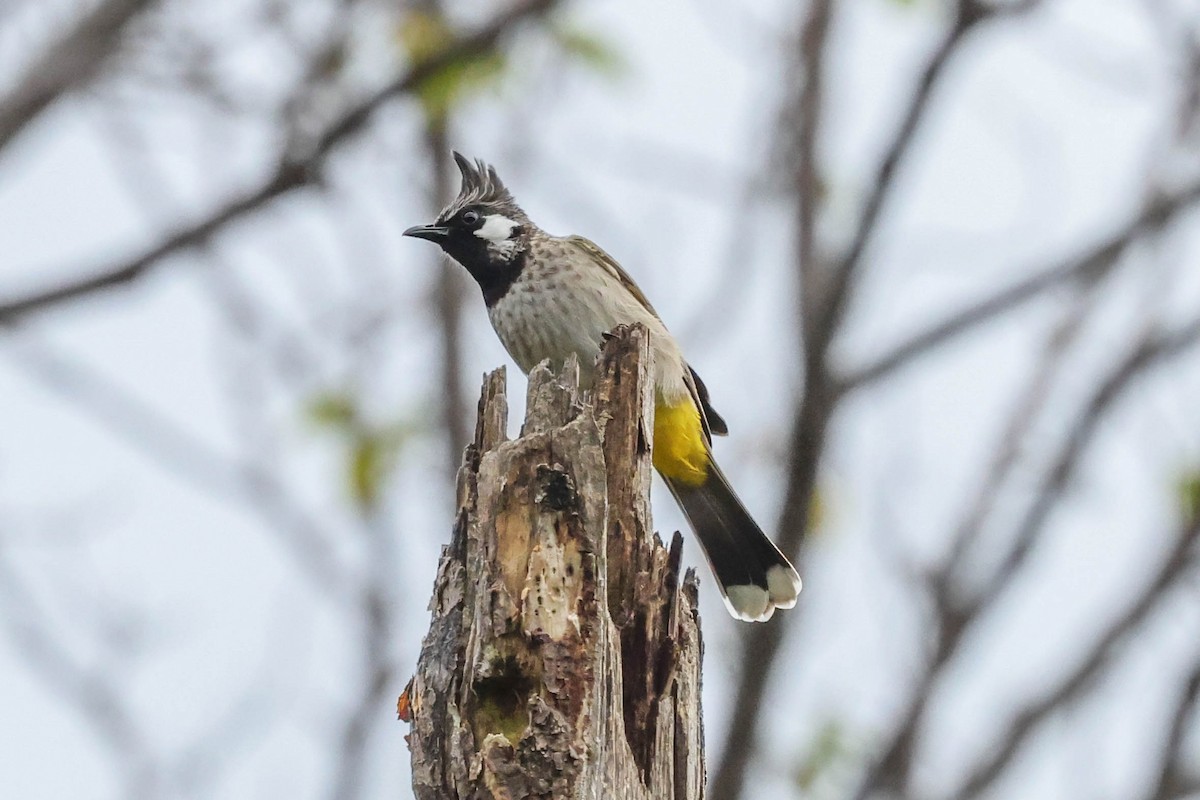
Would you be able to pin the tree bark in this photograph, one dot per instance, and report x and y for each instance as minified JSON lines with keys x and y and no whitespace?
{"x":563,"y":659}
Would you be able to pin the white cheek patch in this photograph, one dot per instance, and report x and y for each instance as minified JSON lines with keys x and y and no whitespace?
{"x":497,"y":231}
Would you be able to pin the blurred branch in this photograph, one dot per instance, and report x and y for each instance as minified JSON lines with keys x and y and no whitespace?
{"x":449,"y":292}
{"x":1024,"y":416}
{"x":1189,"y":788}
{"x":291,"y":172}
{"x":1173,"y":779}
{"x":377,"y":618}
{"x":160,"y":439}
{"x":288,"y":177}
{"x":729,"y":778}
{"x":185,"y":456}
{"x":808,"y":185}
{"x":93,"y":695}
{"x":954,"y":618}
{"x":1089,"y":265}
{"x":1176,"y":567}
{"x":891,"y":771}
{"x":1150,"y":352}
{"x":824,"y":312}
{"x":72,"y":61}
{"x":825,"y":295}
{"x":149,"y":186}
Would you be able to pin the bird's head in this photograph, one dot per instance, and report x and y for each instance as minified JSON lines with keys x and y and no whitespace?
{"x":483,"y":228}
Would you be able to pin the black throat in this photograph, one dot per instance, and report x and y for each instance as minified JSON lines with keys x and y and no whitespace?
{"x":496,"y":283}
{"x":494,"y":276}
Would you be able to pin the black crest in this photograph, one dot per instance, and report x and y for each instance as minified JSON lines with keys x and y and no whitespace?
{"x":481,"y":186}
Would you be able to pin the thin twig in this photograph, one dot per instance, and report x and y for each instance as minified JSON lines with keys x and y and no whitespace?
{"x":955,"y":619}
{"x":1172,"y":779}
{"x":892,"y":770}
{"x":729,"y":778}
{"x":1091,"y":264}
{"x":449,"y":294}
{"x":71,"y":62}
{"x":189,"y":459}
{"x":823,"y":314}
{"x":92,"y":694}
{"x":291,"y":172}
{"x":825,"y":297}
{"x":1153,"y":350}
{"x":1176,"y":567}
{"x":806,"y":119}
{"x":1025,"y":414}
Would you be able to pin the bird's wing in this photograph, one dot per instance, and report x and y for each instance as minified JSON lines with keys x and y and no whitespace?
{"x":709,"y":418}
{"x":594,"y":253}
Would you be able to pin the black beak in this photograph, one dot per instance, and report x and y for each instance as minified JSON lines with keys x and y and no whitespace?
{"x":434,"y":233}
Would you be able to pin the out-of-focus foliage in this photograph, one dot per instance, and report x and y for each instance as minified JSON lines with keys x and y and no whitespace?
{"x":826,"y":752}
{"x":423,"y":34}
{"x":1188,"y":491}
{"x":589,"y":48}
{"x":372,"y":450}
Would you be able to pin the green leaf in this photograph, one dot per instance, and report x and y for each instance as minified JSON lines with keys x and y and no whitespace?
{"x":372,"y":459}
{"x":369,"y":465}
{"x":441,"y":92}
{"x":423,"y":36}
{"x":397,"y":434}
{"x":333,"y":410}
{"x":593,"y":51}
{"x":1188,"y":491}
{"x":371,"y":450}
{"x":826,"y":750}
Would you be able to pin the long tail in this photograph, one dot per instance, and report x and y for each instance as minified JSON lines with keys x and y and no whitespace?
{"x":755,"y":578}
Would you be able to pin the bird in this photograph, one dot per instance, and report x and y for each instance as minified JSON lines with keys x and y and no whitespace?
{"x":550,"y":297}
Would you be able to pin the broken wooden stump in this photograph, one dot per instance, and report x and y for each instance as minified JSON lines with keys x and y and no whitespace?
{"x":563,"y":658}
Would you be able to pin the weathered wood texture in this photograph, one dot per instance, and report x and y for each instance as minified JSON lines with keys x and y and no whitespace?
{"x":563,"y":659}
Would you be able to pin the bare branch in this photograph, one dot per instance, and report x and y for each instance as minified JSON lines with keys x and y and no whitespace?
{"x":1092,"y":264}
{"x":729,"y":778}
{"x":824,"y":313}
{"x":824,"y":308}
{"x":1025,"y":414}
{"x":892,"y":770}
{"x":1152,"y":350}
{"x":291,"y":173}
{"x":377,"y":617}
{"x":1172,"y":779}
{"x":807,"y":116}
{"x":68,"y":64}
{"x":188,"y":458}
{"x":91,"y":694}
{"x":1176,"y":567}
{"x":479,"y":42}
{"x":955,"y":618}
{"x":287,"y":178}
{"x":1190,"y":787}
{"x":449,"y":294}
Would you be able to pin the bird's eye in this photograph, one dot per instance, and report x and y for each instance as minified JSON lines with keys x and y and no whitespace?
{"x":470,"y":217}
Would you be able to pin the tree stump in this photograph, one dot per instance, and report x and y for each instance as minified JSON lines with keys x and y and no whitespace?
{"x":563,"y":658}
